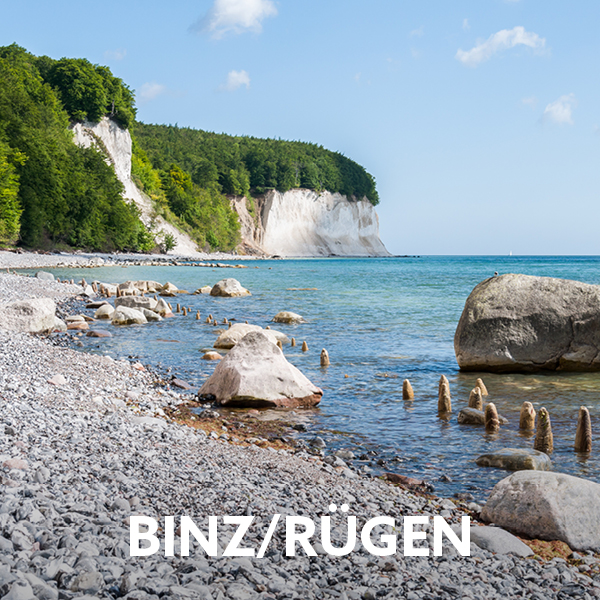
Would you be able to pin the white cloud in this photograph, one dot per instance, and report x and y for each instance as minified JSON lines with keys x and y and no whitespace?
{"x":235,"y":80}
{"x":416,"y":32}
{"x":561,"y":111}
{"x":118,"y":54}
{"x":466,"y":25}
{"x":530,"y":101}
{"x":503,"y":40}
{"x":151,"y":90}
{"x":235,"y":16}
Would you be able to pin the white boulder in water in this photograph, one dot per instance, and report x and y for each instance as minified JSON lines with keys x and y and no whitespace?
{"x":256,"y":373}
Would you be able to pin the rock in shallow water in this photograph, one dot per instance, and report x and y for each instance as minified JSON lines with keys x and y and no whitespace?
{"x":516,"y":459}
{"x":230,"y":288}
{"x":472,"y":416}
{"x":256,"y":373}
{"x":548,"y":506}
{"x":520,"y":323}
{"x":285,"y":316}
{"x":229,"y":338}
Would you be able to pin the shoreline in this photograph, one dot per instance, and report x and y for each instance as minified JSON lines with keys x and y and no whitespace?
{"x":97,"y":449}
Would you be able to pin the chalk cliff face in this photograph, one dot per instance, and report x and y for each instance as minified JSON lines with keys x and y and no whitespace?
{"x":307,"y":223}
{"x":295,"y":223}
{"x":117,"y":143}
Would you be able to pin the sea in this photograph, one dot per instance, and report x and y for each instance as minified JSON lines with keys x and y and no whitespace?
{"x":382,"y":320}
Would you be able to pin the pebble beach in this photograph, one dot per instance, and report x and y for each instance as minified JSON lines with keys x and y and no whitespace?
{"x":85,"y":444}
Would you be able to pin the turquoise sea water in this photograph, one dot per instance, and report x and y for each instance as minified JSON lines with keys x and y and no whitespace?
{"x":381,"y":320}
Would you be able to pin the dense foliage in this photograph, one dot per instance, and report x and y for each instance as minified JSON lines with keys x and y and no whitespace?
{"x":53,"y":192}
{"x":243,"y":165}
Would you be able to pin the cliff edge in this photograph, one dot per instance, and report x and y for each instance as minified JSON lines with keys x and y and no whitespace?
{"x":303,"y":222}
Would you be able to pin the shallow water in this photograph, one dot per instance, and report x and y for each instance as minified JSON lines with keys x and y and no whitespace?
{"x":381,"y":320}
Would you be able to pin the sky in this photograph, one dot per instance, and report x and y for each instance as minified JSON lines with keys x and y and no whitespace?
{"x":479,"y":119}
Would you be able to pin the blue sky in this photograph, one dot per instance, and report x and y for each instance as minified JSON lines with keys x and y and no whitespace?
{"x":480,"y":119}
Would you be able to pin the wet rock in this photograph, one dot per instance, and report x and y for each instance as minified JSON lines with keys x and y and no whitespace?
{"x":516,"y":459}
{"x":44,"y":276}
{"x":106,"y":311}
{"x":256,"y":373}
{"x":203,"y":290}
{"x":99,"y":333}
{"x":137,"y":302}
{"x":212,"y":356}
{"x":128,"y":316}
{"x":229,"y":288}
{"x":151,"y":315}
{"x":471,"y":416}
{"x":285,"y":316}
{"x":547,"y":506}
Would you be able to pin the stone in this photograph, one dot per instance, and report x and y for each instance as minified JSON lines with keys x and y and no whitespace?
{"x":229,"y":338}
{"x":521,"y":323}
{"x":211,"y":356}
{"x":57,"y":380}
{"x":35,"y":315}
{"x":77,"y":326}
{"x":471,"y":416}
{"x":492,"y":423}
{"x":75,"y":319}
{"x":97,"y":304}
{"x":183,"y":385}
{"x":105,"y":312}
{"x":544,"y":440}
{"x":203,"y":290}
{"x":229,"y":288}
{"x":137,"y":302}
{"x":285,"y":316}
{"x":98,"y":333}
{"x":479,"y":383}
{"x":527,"y":417}
{"x":16,"y":463}
{"x":475,"y":399}
{"x":162,"y":308}
{"x":547,"y":506}
{"x":44,"y":276}
{"x":59,"y":325}
{"x":256,"y":374}
{"x":583,"y":435}
{"x":128,"y":316}
{"x":20,"y":590}
{"x":407,"y":390}
{"x":169,"y":288}
{"x":151,"y":315}
{"x":499,"y":541}
{"x":516,"y":459}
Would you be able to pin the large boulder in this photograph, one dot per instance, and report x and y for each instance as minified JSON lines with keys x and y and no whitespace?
{"x":137,"y":302}
{"x":256,"y":373}
{"x":35,"y":315}
{"x":230,"y":337}
{"x":516,"y":459}
{"x":548,"y":506}
{"x":520,"y":323}
{"x":230,"y":288}
{"x":106,"y":311}
{"x":124,"y":315}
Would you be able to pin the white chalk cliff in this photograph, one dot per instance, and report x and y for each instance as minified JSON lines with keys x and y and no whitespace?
{"x":295,"y":223}
{"x":308,"y":223}
{"x":116,"y":142}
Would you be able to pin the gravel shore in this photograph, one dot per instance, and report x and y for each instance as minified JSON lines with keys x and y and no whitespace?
{"x":84,"y":445}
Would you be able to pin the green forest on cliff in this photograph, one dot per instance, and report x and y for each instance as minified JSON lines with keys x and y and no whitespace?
{"x":55,"y":194}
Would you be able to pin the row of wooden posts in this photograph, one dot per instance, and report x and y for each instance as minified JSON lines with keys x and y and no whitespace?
{"x":544,"y":441}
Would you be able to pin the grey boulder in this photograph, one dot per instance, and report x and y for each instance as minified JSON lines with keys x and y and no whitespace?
{"x":35,"y":315}
{"x":229,"y":288}
{"x":516,"y":459}
{"x":256,"y":374}
{"x":499,"y":541}
{"x":547,"y":506}
{"x":44,"y":276}
{"x":520,"y":323}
